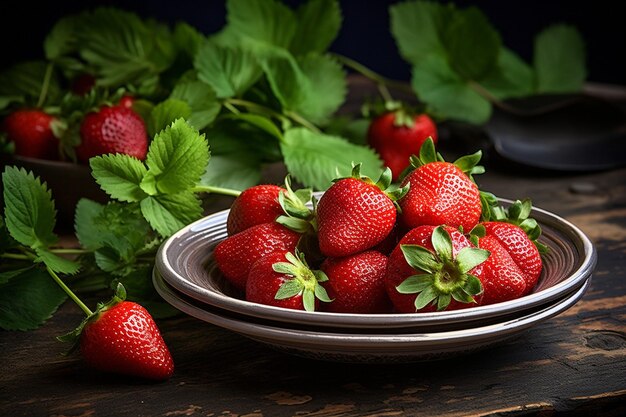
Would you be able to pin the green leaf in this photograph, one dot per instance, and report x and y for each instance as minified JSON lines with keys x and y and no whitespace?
{"x":177,"y":157}
{"x":418,"y":257}
{"x":86,"y":231}
{"x":425,"y":297}
{"x":229,"y":70}
{"x":61,"y":40}
{"x":472,"y":44}
{"x":321,"y":294}
{"x":22,"y":83}
{"x":510,"y":78}
{"x":559,"y":60}
{"x":473,"y":286}
{"x":313,"y":86}
{"x":319,"y":22}
{"x":201,"y":99}
{"x":267,"y":21}
{"x":56,"y":263}
{"x":289,"y":289}
{"x":417,"y":26}
{"x":315,"y":158}
{"x":443,"y":301}
{"x":28,"y":300}
{"x":6,"y":276}
{"x":470,"y":258}
{"x":262,"y":122}
{"x":308,"y":299}
{"x":415,"y":284}
{"x":29,"y":210}
{"x":169,"y":213}
{"x":467,"y":163}
{"x":440,"y":87}
{"x":442,"y":243}
{"x":165,"y":113}
{"x":462,"y":297}
{"x":119,"y":176}
{"x":123,"y":48}
{"x":187,"y":38}
{"x":219,"y":172}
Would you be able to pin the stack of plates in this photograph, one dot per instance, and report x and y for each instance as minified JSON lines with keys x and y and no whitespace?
{"x":186,"y":276}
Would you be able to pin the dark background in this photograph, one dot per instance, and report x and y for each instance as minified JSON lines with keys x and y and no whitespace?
{"x":365,"y":32}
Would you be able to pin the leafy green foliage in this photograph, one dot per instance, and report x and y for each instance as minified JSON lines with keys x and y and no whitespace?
{"x":460,"y":65}
{"x":316,"y":159}
{"x":202,"y":101}
{"x":119,"y":176}
{"x":164,"y":113}
{"x":319,"y":22}
{"x":23,"y":82}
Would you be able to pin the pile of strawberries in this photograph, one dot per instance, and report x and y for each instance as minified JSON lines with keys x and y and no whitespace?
{"x":432,"y":242}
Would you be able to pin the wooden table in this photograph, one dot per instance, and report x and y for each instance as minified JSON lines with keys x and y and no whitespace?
{"x":573,"y":364}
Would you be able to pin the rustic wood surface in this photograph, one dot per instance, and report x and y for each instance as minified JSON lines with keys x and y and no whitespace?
{"x":573,"y":364}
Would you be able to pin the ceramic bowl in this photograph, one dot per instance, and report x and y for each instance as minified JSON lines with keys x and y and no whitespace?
{"x":185,"y":262}
{"x":334,"y":344}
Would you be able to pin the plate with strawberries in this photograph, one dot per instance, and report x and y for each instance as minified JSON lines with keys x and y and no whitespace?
{"x":428,"y":254}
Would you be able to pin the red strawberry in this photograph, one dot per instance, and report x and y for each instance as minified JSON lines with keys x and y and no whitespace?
{"x":356,"y":214}
{"x":255,"y":205}
{"x":127,"y":101}
{"x":440,"y":265}
{"x":502,"y":279}
{"x":121,"y":337}
{"x":236,"y":254}
{"x":356,"y":283}
{"x":292,"y":284}
{"x":31,"y":132}
{"x":112,"y":129}
{"x":397,"y":135}
{"x":441,"y":192}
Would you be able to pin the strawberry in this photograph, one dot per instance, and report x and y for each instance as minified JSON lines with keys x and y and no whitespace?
{"x":255,"y":205}
{"x":127,"y":101}
{"x":441,"y":192}
{"x":517,"y":235}
{"x":356,"y":214}
{"x":112,"y":129}
{"x":396,"y":135}
{"x":31,"y":132}
{"x":236,"y":254}
{"x":356,"y":283}
{"x":121,"y":337}
{"x":502,"y":279}
{"x":291,"y":284}
{"x":440,"y":265}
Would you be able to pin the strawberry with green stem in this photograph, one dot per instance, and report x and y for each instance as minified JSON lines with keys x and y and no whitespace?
{"x":442,"y":192}
{"x":440,"y":265}
{"x":356,"y":213}
{"x":120,"y":337}
{"x":291,"y":284}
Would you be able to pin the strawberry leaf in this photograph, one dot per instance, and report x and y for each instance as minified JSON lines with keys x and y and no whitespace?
{"x":415,"y":284}
{"x":177,"y":157}
{"x":442,"y":243}
{"x":169,"y":213}
{"x":87,"y":232}
{"x":511,"y":77}
{"x":56,"y":263}
{"x":443,"y":301}
{"x":229,"y":70}
{"x":29,"y":208}
{"x":28,"y":299}
{"x":426,"y":296}
{"x":119,"y":176}
{"x":308,"y":299}
{"x":559,"y":60}
{"x":473,"y":286}
{"x":289,"y":289}
{"x":314,"y":158}
{"x":319,"y":22}
{"x":165,"y":113}
{"x":321,"y":294}
{"x":201,"y":99}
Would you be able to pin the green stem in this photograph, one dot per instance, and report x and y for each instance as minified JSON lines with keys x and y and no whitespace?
{"x":45,"y":85}
{"x":374,"y":76}
{"x":304,"y":122}
{"x":70,"y":251}
{"x":69,"y":292}
{"x":215,"y":190}
{"x":232,"y":108}
{"x":15,"y":256}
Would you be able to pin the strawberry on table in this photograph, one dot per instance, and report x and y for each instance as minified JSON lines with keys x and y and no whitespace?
{"x":112,"y":129}
{"x":441,"y":192}
{"x":31,"y":130}
{"x":255,"y":205}
{"x":356,"y":214}
{"x":356,"y":283}
{"x":434,"y":268}
{"x":121,"y":337}
{"x":396,"y":135}
{"x":284,"y":279}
